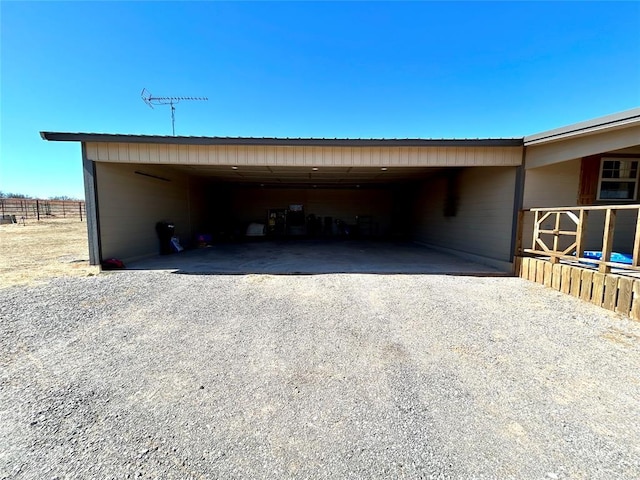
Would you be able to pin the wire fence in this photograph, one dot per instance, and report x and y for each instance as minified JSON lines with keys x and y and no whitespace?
{"x":15,"y":210}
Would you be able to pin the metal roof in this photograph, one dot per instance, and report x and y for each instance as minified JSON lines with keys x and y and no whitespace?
{"x":282,"y":141}
{"x":608,"y":122}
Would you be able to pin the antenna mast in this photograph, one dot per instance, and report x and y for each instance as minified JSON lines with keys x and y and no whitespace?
{"x":150,"y":100}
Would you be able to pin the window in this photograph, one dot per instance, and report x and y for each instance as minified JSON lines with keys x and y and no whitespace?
{"x":618,"y":179}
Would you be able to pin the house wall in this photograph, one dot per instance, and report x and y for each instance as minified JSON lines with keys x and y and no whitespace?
{"x":129,"y":205}
{"x":482,"y":223}
{"x":552,"y":186}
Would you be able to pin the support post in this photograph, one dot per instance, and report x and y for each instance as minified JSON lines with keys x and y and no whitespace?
{"x":581,"y":233}
{"x":519,"y":227}
{"x":38,"y":209}
{"x":556,"y":238}
{"x":91,"y":208}
{"x":536,"y":230}
{"x":636,"y":243}
{"x":607,"y":240}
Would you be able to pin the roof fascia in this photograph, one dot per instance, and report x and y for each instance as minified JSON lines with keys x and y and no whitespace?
{"x":320,"y":142}
{"x":598,"y":125}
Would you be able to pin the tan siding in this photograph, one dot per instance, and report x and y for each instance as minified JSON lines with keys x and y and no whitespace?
{"x":308,"y":155}
{"x":130,"y":205}
{"x":483,"y":222}
{"x":92,"y":150}
{"x":552,"y":186}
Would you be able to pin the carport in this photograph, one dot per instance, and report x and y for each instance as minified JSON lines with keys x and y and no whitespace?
{"x":455,"y":196}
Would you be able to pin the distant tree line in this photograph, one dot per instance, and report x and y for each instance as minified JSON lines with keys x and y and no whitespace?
{"x":27,"y":197}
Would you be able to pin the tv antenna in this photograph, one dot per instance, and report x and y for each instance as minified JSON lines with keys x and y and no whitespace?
{"x":150,"y":100}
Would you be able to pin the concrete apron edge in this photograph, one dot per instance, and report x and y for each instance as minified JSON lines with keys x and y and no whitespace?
{"x":504,"y":268}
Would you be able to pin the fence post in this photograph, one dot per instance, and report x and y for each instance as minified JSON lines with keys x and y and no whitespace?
{"x":38,"y":209}
{"x":80,"y":209}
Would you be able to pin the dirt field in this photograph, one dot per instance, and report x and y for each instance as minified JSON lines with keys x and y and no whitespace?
{"x":41,"y":250}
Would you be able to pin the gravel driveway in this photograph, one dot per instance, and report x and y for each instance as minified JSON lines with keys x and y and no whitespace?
{"x":159,"y":375}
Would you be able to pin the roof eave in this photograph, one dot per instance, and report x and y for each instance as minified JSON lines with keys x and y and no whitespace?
{"x":271,"y":141}
{"x":616,"y":121}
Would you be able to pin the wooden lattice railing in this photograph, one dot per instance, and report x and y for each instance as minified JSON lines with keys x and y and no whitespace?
{"x":578,"y":217}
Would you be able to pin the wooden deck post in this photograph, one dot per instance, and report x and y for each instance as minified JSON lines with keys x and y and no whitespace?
{"x":636,"y":243}
{"x":517,"y":250}
{"x":581,"y":233}
{"x":607,"y":240}
{"x":536,"y":230}
{"x":519,"y":228}
{"x":556,"y":238}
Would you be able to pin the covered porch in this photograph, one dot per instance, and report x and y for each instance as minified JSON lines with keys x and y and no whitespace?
{"x":579,"y":229}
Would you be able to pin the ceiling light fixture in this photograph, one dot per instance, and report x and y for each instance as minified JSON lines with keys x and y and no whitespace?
{"x":384,"y":169}
{"x":315,"y":169}
{"x":234,"y":168}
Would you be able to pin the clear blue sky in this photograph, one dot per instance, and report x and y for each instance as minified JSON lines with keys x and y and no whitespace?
{"x":427,"y":70}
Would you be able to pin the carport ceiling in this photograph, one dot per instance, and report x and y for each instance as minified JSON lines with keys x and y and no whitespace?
{"x":309,"y":174}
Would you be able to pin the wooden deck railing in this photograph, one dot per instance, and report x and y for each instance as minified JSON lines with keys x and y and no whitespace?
{"x":578,"y":217}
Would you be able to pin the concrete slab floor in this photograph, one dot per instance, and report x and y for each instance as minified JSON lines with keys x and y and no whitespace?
{"x":314,"y":257}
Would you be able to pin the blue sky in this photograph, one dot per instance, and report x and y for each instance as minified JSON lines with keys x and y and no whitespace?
{"x":363,"y":69}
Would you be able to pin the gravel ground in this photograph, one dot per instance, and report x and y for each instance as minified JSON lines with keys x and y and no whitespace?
{"x":157,"y":375}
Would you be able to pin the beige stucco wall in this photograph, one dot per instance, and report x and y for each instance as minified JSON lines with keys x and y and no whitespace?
{"x":483,"y":223}
{"x":129,"y":205}
{"x":302,"y":155}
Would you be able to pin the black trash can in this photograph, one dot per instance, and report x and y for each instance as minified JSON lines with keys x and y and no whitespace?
{"x":165,"y":231}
